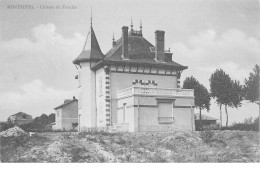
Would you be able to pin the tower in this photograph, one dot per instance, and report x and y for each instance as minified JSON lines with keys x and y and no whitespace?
{"x":89,"y":56}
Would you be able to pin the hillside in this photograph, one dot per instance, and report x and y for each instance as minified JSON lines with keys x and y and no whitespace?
{"x":177,"y":146}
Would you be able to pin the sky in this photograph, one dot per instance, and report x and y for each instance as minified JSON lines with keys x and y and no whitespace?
{"x":37,"y":46}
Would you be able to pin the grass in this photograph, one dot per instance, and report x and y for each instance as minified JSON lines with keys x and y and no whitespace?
{"x":158,"y":147}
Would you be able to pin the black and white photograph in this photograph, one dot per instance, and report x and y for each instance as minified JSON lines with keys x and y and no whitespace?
{"x":129,"y":81}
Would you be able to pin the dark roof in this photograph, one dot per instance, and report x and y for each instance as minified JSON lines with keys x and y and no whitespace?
{"x":20,"y":114}
{"x":140,"y":52}
{"x":91,"y":49}
{"x":65,"y":103}
{"x":203,"y":117}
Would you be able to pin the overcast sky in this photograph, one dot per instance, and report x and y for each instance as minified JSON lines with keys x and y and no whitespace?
{"x":37,"y":45}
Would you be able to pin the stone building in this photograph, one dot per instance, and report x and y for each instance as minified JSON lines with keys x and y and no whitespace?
{"x":205,"y":121}
{"x":20,"y":118}
{"x":66,"y":114}
{"x":135,"y":86}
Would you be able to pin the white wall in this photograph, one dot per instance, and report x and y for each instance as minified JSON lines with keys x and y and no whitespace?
{"x":87,"y":99}
{"x":58,"y":115}
{"x":145,"y":118}
{"x":119,"y":81}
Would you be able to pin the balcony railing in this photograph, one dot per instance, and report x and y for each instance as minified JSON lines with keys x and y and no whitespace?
{"x":155,"y":92}
{"x":165,"y":119}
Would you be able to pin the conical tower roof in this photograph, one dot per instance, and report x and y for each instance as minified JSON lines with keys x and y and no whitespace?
{"x":91,"y":50}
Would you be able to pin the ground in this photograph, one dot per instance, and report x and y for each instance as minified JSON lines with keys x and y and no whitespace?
{"x":176,"y":146}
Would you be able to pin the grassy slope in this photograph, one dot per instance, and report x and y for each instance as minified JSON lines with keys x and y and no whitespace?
{"x":178,"y":146}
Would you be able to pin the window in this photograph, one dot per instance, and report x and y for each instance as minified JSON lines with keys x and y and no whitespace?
{"x":124,"y":112}
{"x":165,"y":107}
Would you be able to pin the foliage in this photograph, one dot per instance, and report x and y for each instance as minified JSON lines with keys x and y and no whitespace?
{"x":226,"y":91}
{"x":174,"y":146}
{"x":74,"y":126}
{"x":10,"y":146}
{"x":207,"y":134}
{"x":39,"y":124}
{"x":51,"y":118}
{"x":220,"y":84}
{"x":236,"y":94}
{"x":251,"y":88}
{"x":202,"y":96}
{"x":6,"y":125}
{"x":248,"y":125}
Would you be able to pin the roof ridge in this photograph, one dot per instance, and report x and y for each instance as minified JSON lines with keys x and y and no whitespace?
{"x":65,"y":104}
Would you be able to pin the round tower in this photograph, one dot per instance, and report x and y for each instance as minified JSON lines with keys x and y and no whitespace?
{"x":89,"y":56}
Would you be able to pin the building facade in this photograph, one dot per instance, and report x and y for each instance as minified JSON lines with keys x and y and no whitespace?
{"x":135,"y":86}
{"x":20,"y":118}
{"x":66,"y":114}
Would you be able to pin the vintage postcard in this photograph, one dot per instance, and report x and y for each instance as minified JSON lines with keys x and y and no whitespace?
{"x":129,"y":81}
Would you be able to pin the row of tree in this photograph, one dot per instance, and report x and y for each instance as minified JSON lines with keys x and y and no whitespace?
{"x":40,"y":123}
{"x":226,"y":91}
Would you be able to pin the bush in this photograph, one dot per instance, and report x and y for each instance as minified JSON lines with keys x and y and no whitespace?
{"x":6,"y":125}
{"x":95,"y":131}
{"x":219,"y":139}
{"x":248,"y":125}
{"x":207,"y":134}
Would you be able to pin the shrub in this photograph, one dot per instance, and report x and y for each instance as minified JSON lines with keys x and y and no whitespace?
{"x":6,"y":125}
{"x":66,"y":136}
{"x":248,"y":125}
{"x":219,"y":139}
{"x":120,"y":141}
{"x":95,"y":131}
{"x":207,"y":134}
{"x":74,"y":126}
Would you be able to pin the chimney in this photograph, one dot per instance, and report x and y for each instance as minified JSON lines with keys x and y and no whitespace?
{"x":159,"y":46}
{"x":66,"y":101}
{"x":74,"y":97}
{"x":125,"y":42}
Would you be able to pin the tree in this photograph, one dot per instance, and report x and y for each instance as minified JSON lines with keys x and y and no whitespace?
{"x":251,"y":87}
{"x":220,"y":85}
{"x":235,"y":96}
{"x":226,"y":91}
{"x":202,"y":96}
{"x":6,"y":125}
{"x":51,"y":118}
{"x":40,"y":123}
{"x":74,"y":125}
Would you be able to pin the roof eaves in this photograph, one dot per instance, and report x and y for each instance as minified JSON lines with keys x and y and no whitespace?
{"x":64,"y":104}
{"x":204,"y":117}
{"x":129,"y":62}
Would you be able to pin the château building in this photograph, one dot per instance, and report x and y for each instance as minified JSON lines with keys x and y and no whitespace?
{"x":135,"y":86}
